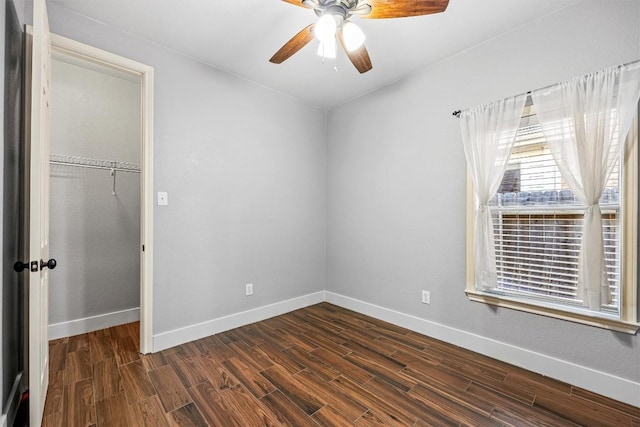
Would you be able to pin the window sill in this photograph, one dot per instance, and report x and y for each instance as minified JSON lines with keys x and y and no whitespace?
{"x":585,"y":319}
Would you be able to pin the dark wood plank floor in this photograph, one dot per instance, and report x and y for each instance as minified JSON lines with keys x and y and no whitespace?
{"x":322,"y":365}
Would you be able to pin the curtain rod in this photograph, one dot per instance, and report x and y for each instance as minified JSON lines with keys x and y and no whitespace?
{"x":458,"y":112}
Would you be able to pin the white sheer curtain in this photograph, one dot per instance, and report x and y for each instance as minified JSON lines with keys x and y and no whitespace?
{"x":585,"y":122}
{"x":488,"y":134}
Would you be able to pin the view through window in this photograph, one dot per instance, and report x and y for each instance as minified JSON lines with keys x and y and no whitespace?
{"x":538,"y":225}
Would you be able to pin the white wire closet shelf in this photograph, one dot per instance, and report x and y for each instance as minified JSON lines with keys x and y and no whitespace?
{"x":85,"y":162}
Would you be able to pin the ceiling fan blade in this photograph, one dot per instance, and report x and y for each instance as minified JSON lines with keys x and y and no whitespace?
{"x":359,"y":57}
{"x":381,"y":9}
{"x":296,"y":43}
{"x":297,"y":3}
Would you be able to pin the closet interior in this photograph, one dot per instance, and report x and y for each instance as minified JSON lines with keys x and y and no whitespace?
{"x":95,"y":197}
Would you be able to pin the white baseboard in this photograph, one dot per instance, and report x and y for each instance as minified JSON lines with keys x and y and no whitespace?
{"x":93,"y":323}
{"x":195,"y":332}
{"x":599,"y":382}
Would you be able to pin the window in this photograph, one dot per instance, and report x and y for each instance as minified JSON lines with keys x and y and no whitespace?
{"x":538,"y":223}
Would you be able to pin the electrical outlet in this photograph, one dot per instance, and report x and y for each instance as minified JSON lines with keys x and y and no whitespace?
{"x":248,"y":288}
{"x":163,"y":198}
{"x":426,"y":297}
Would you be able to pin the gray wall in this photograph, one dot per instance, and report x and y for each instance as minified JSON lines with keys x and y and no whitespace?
{"x":396,"y":182}
{"x":24,"y":9}
{"x":245,"y":170}
{"x":11,"y":286}
{"x":94,"y":236}
{"x":6,"y":351}
{"x":5,"y":359}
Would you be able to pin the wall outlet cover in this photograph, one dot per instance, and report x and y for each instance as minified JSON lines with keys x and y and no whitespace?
{"x":426,"y":297}
{"x":163,"y":198}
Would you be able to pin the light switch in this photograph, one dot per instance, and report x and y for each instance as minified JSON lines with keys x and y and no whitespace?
{"x":163,"y":198}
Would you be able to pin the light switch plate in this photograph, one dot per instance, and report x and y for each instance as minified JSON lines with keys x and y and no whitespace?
{"x":163,"y":198}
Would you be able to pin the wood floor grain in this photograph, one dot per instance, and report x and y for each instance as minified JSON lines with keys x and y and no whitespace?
{"x":319,"y":366}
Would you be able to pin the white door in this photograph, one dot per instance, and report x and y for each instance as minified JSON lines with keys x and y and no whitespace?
{"x":37,"y":210}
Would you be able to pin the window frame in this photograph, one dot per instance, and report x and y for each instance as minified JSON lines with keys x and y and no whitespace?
{"x":627,"y":321}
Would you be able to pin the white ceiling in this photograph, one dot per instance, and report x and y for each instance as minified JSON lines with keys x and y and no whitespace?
{"x":240,"y":36}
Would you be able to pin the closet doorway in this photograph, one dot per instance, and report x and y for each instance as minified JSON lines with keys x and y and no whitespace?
{"x":101,"y":196}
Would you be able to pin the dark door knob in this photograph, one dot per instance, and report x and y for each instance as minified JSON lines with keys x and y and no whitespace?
{"x":19,"y":266}
{"x":51,"y":264}
{"x":32,"y":266}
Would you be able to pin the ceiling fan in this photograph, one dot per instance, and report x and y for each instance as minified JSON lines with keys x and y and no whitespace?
{"x":334,"y":21}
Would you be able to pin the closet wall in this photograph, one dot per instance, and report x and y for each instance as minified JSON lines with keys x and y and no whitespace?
{"x":94,"y":235}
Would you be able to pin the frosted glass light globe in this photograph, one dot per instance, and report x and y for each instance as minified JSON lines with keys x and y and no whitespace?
{"x":327,"y":49}
{"x":352,"y":35}
{"x":325,"y":28}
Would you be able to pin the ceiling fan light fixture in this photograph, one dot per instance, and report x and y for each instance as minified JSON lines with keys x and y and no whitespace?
{"x":332,"y":25}
{"x":325,"y":28}
{"x":353,"y":36}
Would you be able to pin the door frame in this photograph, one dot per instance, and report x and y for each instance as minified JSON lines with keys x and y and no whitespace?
{"x":85,"y":52}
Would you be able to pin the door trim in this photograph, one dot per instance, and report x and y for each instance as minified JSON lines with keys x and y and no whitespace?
{"x":145,"y":72}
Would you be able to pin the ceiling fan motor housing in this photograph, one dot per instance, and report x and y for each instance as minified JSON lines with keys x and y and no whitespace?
{"x":343,"y":8}
{"x":337,"y":11}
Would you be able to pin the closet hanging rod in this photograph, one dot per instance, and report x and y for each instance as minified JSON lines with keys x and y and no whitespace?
{"x":55,"y":162}
{"x":85,"y":162}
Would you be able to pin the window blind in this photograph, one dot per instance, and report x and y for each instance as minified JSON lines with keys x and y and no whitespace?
{"x":538,"y":225}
